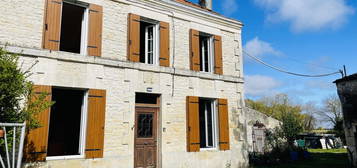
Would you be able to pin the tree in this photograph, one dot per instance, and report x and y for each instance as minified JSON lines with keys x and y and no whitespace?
{"x":332,"y":112}
{"x":16,"y":104}
{"x":309,"y":111}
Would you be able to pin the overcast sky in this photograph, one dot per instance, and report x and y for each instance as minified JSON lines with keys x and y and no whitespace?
{"x":303,"y":36}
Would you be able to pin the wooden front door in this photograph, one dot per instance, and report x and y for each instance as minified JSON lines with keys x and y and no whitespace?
{"x":145,"y":137}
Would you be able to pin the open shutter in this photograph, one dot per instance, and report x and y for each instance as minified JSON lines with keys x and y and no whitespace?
{"x":193,"y":124}
{"x":223,"y":124}
{"x":95,"y":123}
{"x":95,"y":30}
{"x":52,"y":25}
{"x":36,"y":139}
{"x":164,"y":44}
{"x":134,"y":38}
{"x":194,"y":50}
{"x":218,"y":62}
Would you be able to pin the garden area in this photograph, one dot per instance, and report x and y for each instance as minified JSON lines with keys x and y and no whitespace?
{"x":319,"y":158}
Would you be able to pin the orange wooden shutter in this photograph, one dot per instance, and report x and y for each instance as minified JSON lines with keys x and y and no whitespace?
{"x":193,"y":124}
{"x":194,"y":50}
{"x":134,"y":38}
{"x":95,"y":123}
{"x":223,"y":124}
{"x":164,"y":44}
{"x":52,"y":25}
{"x":95,"y":30}
{"x":36,"y":139}
{"x":218,"y":62}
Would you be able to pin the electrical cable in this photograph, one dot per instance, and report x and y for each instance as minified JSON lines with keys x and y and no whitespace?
{"x":288,"y":72}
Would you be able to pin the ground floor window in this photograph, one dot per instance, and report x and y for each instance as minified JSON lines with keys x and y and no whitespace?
{"x":67,"y":123}
{"x":208,"y":123}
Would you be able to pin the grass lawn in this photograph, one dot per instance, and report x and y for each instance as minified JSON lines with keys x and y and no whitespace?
{"x":321,"y":158}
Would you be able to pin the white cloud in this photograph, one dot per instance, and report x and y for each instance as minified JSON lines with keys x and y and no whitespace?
{"x":260,"y":48}
{"x":307,"y":15}
{"x":229,"y":7}
{"x":259,"y":85}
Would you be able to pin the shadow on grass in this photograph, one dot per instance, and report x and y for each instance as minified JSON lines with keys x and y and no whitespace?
{"x":321,"y":159}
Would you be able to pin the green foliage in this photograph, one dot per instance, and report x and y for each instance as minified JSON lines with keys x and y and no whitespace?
{"x":16,"y":105}
{"x":291,"y":126}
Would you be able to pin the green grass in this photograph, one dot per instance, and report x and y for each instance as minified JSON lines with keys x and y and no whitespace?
{"x":321,"y":158}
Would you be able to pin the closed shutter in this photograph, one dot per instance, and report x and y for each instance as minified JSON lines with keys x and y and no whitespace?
{"x":36,"y":139}
{"x":218,"y":62}
{"x":95,"y":30}
{"x":95,"y":123}
{"x":164,"y":44}
{"x":223,"y":124}
{"x":193,"y":124}
{"x":194,"y":50}
{"x":52,"y":25}
{"x":134,"y":38}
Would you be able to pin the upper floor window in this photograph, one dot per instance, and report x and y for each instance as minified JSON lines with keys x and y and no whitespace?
{"x":73,"y":26}
{"x":149,"y":41}
{"x":207,"y":53}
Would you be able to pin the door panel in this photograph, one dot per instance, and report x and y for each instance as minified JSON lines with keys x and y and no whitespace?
{"x":145,"y":137}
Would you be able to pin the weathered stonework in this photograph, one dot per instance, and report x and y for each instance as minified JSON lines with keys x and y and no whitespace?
{"x":347,"y":91}
{"x":21,"y":29}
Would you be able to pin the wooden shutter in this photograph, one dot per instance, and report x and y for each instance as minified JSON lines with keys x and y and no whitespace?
{"x":52,"y":25}
{"x":193,"y":124}
{"x":164,"y":44}
{"x":194,"y":50}
{"x":134,"y":38}
{"x":95,"y":30}
{"x":36,"y":139}
{"x":218,"y":62}
{"x":223,"y":124}
{"x":95,"y":123}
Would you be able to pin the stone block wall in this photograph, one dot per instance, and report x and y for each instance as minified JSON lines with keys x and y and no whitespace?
{"x":21,"y":29}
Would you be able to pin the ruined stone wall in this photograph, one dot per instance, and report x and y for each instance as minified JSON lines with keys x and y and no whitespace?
{"x":21,"y":29}
{"x":252,"y":117}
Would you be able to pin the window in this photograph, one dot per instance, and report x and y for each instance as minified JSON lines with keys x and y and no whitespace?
{"x":149,"y":39}
{"x":208,"y":123}
{"x":206,"y":53}
{"x":73,"y":26}
{"x":74,"y":23}
{"x":67,"y":127}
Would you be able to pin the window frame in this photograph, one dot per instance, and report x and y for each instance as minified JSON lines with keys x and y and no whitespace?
{"x":84,"y":27}
{"x":210,"y":53}
{"x":215,"y":124}
{"x":155,"y":25}
{"x":82,"y":134}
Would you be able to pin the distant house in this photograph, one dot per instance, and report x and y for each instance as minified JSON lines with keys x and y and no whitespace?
{"x":347,"y":91}
{"x":137,"y":83}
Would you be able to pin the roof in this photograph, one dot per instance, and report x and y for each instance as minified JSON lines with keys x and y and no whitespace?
{"x":347,"y":78}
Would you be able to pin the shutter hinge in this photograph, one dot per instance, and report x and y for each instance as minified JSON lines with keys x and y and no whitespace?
{"x":56,"y":41}
{"x":189,"y":129}
{"x":46,"y":26}
{"x":129,"y":42}
{"x":92,"y":46}
{"x":93,"y":149}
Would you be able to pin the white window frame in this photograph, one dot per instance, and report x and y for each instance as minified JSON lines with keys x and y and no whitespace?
{"x":156,"y":38}
{"x":82,"y":134}
{"x":210,"y":55}
{"x":215,"y":126}
{"x":85,"y":25}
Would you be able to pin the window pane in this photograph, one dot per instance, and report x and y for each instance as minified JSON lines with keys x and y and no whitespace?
{"x":145,"y":125}
{"x":209,"y":124}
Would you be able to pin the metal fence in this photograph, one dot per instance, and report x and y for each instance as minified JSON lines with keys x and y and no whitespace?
{"x":13,"y":157}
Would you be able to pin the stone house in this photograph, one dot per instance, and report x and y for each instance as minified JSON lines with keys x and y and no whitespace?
{"x":136,"y":83}
{"x":347,"y":91}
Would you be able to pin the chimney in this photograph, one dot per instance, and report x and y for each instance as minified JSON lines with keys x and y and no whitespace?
{"x":206,"y":4}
